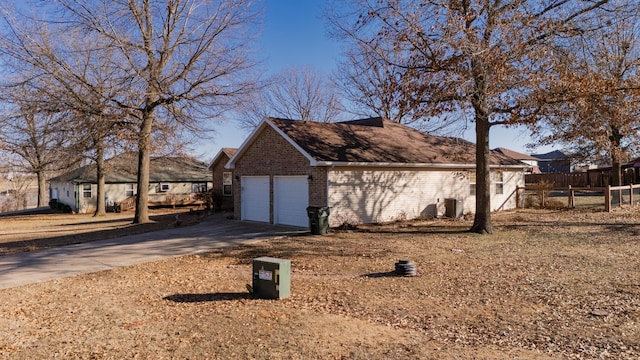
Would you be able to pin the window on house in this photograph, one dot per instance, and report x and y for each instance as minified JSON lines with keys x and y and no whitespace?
{"x":129,"y":190}
{"x":227,"y":182}
{"x":164,"y":187}
{"x":472,"y":183}
{"x":499,"y":182}
{"x":86,"y":190}
{"x":199,"y":187}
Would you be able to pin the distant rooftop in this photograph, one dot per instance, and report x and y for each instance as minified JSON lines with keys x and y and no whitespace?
{"x":515,"y":155}
{"x":553,"y":155}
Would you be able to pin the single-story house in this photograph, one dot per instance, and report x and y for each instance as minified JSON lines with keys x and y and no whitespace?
{"x":172,"y":181}
{"x":222,"y":179}
{"x":365,"y":171}
{"x":554,"y":162}
{"x":532,"y":161}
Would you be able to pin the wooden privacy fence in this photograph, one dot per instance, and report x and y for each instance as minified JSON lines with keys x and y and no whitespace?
{"x":614,"y":196}
{"x":563,"y":180}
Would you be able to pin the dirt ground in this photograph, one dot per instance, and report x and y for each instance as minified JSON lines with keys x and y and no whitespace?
{"x":547,"y":285}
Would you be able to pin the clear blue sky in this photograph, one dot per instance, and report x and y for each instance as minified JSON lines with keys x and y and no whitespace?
{"x":294,"y":34}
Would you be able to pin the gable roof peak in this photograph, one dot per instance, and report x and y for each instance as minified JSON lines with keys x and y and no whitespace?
{"x":229,"y":152}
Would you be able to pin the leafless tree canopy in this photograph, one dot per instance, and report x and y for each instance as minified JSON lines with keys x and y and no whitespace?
{"x":481,"y":57}
{"x":299,"y":93}
{"x":303,"y":93}
{"x":76,"y":82}
{"x":169,"y":67}
{"x":33,"y":141}
{"x":374,"y":86}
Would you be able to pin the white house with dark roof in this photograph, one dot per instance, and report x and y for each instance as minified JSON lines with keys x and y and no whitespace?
{"x":365,"y":171}
{"x":172,"y":181}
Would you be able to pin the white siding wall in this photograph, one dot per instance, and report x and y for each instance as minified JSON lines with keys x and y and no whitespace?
{"x":88,"y":205}
{"x":357,"y":196}
{"x":66,"y":193}
{"x":114,"y":193}
{"x":380,"y":195}
{"x":506,"y":201}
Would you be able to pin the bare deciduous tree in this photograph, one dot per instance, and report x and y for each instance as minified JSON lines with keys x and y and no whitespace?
{"x":295,"y":93}
{"x":177,"y":64}
{"x":37,"y":143}
{"x":186,"y":57}
{"x":478,"y":57}
{"x":376,"y":87}
{"x":66,"y":73}
{"x":303,"y":93}
{"x":595,"y":106}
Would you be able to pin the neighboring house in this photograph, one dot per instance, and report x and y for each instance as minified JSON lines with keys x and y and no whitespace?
{"x":365,"y":171}
{"x":172,"y":181}
{"x":222,"y":180}
{"x":532,"y":161}
{"x":18,"y":191}
{"x":554,"y":162}
{"x":630,"y":173}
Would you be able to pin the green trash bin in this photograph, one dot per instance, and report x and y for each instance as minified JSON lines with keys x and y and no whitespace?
{"x":318,"y":219}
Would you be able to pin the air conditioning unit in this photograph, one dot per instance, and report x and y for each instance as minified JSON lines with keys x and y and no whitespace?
{"x":453,"y":208}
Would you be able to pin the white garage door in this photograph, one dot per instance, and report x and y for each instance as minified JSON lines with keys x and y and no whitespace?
{"x":291,"y":198}
{"x":255,"y":198}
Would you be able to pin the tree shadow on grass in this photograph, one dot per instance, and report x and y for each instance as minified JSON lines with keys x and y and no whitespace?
{"x":219,"y":296}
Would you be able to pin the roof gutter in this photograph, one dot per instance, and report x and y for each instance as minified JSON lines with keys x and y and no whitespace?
{"x":412,"y":165}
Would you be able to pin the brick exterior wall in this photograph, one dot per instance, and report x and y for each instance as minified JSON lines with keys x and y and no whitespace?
{"x":270,"y":154}
{"x":221,"y":202}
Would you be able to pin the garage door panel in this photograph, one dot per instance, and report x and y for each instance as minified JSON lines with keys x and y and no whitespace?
{"x":255,"y":198}
{"x":291,"y":198}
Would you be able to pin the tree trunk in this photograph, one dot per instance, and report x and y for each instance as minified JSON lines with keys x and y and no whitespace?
{"x":100,"y":172}
{"x":144,"y":159}
{"x":616,"y":179}
{"x":616,"y":171}
{"x":616,"y":165}
{"x":42,"y":187}
{"x":482,"y":220}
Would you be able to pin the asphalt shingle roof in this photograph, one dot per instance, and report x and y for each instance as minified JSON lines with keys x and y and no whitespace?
{"x":376,"y":140}
{"x":123,"y":169}
{"x":515,"y":155}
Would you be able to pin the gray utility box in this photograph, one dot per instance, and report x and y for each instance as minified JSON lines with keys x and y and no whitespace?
{"x":271,"y":278}
{"x":453,"y":208}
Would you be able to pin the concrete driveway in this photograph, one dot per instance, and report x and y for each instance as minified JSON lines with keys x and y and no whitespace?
{"x":213,"y":232}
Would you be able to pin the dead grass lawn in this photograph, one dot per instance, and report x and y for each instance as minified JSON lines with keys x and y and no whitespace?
{"x":548,"y":284}
{"x":30,"y":232}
